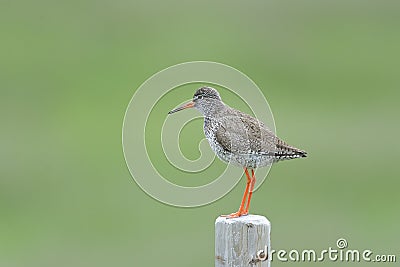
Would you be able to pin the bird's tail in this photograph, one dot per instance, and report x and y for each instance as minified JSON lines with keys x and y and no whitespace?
{"x":286,"y":152}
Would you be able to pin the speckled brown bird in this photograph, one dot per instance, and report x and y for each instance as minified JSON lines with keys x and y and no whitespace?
{"x":239,"y":138}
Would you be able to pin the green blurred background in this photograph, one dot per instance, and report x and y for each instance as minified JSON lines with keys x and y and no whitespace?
{"x":329,"y":69}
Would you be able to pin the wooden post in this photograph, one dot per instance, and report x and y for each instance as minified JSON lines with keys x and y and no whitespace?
{"x":242,"y":242}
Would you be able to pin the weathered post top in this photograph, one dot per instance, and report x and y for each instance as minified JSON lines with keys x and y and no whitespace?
{"x":242,"y":242}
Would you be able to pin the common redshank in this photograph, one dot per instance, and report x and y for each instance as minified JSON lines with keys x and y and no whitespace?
{"x":240,"y":139}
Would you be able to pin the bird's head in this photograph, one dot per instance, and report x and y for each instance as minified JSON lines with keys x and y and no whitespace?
{"x":205,"y":99}
{"x":206,"y":93}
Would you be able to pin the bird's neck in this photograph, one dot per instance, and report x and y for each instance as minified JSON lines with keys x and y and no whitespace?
{"x":211,"y":109}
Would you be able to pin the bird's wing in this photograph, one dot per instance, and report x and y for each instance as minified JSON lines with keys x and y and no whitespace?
{"x":243,"y":134}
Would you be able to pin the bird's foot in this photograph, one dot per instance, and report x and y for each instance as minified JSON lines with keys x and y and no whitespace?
{"x":235,"y":214}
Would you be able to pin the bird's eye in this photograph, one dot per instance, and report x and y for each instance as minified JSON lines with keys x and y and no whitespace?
{"x":197,"y":97}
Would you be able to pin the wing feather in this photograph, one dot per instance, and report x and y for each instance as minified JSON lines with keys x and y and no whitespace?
{"x":242,"y":134}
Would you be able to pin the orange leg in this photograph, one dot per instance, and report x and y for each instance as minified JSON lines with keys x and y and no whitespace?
{"x":253,"y":181}
{"x":241,"y":210}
